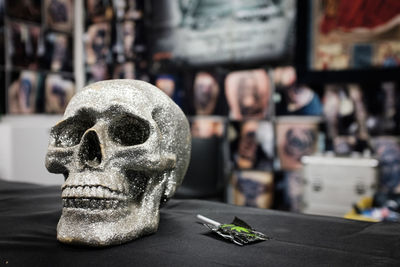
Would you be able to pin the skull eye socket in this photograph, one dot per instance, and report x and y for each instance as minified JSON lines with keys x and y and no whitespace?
{"x":69,"y":132}
{"x":129,"y":130}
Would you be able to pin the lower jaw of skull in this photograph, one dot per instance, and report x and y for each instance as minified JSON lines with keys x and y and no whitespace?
{"x":104,"y":227}
{"x":103,"y":222}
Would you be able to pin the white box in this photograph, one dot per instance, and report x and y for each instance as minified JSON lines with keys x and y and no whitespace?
{"x":334,"y":184}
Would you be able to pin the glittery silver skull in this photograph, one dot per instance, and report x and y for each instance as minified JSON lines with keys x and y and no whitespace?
{"x":123,"y":147}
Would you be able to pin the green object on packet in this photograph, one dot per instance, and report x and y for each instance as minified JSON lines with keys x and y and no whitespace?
{"x":239,"y":232}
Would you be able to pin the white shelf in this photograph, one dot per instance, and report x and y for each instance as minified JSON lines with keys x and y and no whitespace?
{"x":23,"y":146}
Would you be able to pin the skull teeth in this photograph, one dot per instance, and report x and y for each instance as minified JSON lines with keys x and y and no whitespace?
{"x":88,"y":203}
{"x":97,"y":192}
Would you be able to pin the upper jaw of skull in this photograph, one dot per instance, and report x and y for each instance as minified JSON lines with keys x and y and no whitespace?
{"x":106,"y":191}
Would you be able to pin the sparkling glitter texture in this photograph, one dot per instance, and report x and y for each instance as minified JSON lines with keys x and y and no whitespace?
{"x":123,"y":147}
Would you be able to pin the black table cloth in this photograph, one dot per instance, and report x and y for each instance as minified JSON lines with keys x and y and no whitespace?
{"x":29,"y":215}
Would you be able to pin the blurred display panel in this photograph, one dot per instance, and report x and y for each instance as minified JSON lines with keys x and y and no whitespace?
{"x":296,"y":137}
{"x":29,"y":10}
{"x":253,"y":189}
{"x":38,"y":55}
{"x":24,"y":91}
{"x":252,"y":144}
{"x":59,"y":14}
{"x":249,"y":94}
{"x":58,"y":92}
{"x":222,"y":31}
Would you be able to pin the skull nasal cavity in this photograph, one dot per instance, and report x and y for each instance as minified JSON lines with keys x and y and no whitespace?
{"x":90,"y":151}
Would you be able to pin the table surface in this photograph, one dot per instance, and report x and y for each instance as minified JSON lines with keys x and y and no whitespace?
{"x":29,"y":214}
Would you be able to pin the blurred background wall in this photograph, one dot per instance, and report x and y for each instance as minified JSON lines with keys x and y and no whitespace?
{"x":264,"y":83}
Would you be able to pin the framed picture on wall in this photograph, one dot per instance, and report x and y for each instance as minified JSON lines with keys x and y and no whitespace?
{"x":27,"y":10}
{"x":199,"y":33}
{"x":348,"y":41}
{"x":59,"y":14}
{"x":24,"y":92}
{"x":252,"y":144}
{"x":24,"y":46}
{"x":58,"y":91}
{"x":249,"y":94}
{"x":58,"y":55}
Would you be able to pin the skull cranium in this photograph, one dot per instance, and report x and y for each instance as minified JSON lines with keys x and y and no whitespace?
{"x":123,"y":147}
